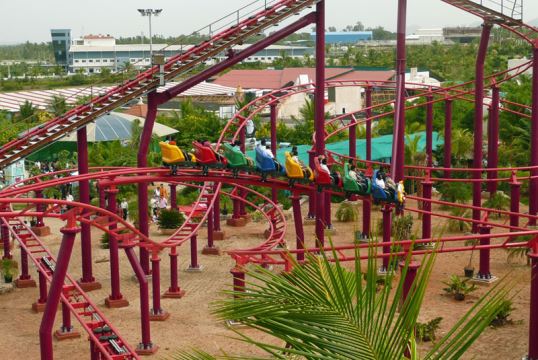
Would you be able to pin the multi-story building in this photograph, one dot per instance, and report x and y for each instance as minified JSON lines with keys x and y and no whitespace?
{"x":61,"y":41}
{"x":93,"y":53}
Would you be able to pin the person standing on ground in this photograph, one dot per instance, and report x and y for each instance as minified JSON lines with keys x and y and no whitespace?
{"x":124,"y":209}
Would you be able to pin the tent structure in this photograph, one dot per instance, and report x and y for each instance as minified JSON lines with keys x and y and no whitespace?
{"x":110,"y":127}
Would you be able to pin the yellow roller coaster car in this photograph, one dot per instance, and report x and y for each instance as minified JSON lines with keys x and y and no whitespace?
{"x":294,"y":170}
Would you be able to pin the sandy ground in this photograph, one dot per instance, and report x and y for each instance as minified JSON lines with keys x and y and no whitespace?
{"x":191,"y":324}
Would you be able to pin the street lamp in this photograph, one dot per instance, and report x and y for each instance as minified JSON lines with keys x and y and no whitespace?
{"x":149,"y":13}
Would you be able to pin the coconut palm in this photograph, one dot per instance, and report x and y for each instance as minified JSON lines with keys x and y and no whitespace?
{"x":322,"y":310}
{"x":58,"y":105}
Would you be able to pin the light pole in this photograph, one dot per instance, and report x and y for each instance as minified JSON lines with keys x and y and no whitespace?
{"x":149,"y":13}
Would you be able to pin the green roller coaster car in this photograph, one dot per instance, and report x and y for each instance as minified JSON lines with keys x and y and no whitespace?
{"x":353,"y":187}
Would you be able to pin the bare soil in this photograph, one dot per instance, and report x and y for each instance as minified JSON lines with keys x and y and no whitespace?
{"x":191,"y":324}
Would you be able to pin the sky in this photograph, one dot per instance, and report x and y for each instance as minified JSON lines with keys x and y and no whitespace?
{"x":31,"y":20}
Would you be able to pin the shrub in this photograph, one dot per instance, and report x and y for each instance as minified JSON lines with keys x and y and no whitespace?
{"x":170,"y":219}
{"x":458,"y":287}
{"x":105,"y":239}
{"x":426,"y":331}
{"x":346,"y":212}
{"x":9,"y":269}
{"x":499,"y":201}
{"x":503,"y":314}
{"x":402,"y":227}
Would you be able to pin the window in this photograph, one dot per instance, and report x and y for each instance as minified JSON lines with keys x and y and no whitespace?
{"x":76,"y":61}
{"x":91,"y":60}
{"x":83,"y":60}
{"x":105,"y":60}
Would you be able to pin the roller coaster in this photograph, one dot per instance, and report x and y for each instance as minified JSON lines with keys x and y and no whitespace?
{"x":209,"y":168}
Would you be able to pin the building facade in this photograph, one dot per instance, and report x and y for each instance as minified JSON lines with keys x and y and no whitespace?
{"x":93,"y":53}
{"x":61,"y":42}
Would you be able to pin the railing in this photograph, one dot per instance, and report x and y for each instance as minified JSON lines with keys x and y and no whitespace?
{"x":510,"y":8}
{"x":235,"y":17}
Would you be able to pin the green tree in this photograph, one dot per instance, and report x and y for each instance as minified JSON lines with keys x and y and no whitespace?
{"x":322,"y":310}
{"x":58,"y":105}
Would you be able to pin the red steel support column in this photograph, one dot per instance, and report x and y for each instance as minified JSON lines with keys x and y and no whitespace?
{"x":398,"y":145}
{"x":174,"y":291}
{"x":218,"y":234}
{"x":429,"y":130}
{"x":115,"y":299}
{"x":87,"y":281}
{"x":533,"y":318}
{"x":410,"y":276}
{"x":39,"y":207}
{"x":484,"y":272}
{"x":243,"y":139}
{"x":39,"y":305}
{"x":319,"y":110}
{"x":173,"y":196}
{"x":387,"y":214}
{"x":448,"y":138}
{"x":515,"y":195}
{"x":66,"y":331}
{"x":157,"y":313}
{"x":328,"y":224}
{"x":142,"y":161}
{"x":6,"y":243}
{"x":146,"y":347}
{"x":24,"y":280}
{"x":366,"y":214}
{"x":298,"y":220}
{"x":427,"y":185}
{"x":533,"y":191}
{"x":369,"y":104}
{"x":64,"y":255}
{"x":194,"y":266}
{"x":274,"y":115}
{"x":238,"y":274}
{"x":210,"y":248}
{"x":102,"y":196}
{"x":353,"y":139}
{"x":312,"y":196}
{"x":478,"y":121}
{"x":493,"y":138}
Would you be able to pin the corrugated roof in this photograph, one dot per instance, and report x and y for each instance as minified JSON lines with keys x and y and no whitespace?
{"x":41,"y":98}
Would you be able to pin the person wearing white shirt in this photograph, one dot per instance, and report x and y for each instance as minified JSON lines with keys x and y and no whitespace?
{"x":124,"y":208}
{"x":323,"y":165}
{"x":69,"y":197}
{"x":352,"y":173}
{"x":380,"y":182}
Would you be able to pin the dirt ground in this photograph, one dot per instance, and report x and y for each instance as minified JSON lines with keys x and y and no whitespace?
{"x":192,"y":326}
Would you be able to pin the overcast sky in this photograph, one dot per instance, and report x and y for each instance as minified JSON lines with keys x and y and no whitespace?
{"x":32,"y":20}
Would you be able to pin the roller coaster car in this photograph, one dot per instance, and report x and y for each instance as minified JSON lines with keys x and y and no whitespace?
{"x":173,"y":156}
{"x":323,"y":178}
{"x":236,"y":160}
{"x":295,"y":171}
{"x":266,"y":164}
{"x":354,"y":187}
{"x":380,"y":194}
{"x":206,"y":156}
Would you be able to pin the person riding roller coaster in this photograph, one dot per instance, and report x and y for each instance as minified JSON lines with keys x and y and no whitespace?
{"x":334,"y":176}
{"x":360,"y":178}
{"x":295,"y":168}
{"x":173,"y":156}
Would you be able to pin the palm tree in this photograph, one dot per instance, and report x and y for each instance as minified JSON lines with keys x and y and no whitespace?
{"x":322,"y":310}
{"x":58,"y":105}
{"x":462,"y":145}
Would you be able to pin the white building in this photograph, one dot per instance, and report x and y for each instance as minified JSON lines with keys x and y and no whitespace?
{"x":426,"y":36}
{"x":92,"y":53}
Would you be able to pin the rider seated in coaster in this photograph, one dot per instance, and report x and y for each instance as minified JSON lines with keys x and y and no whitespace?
{"x":237,"y":146}
{"x":390,"y":185}
{"x":335,"y":176}
{"x":267,"y":150}
{"x":295,"y":158}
